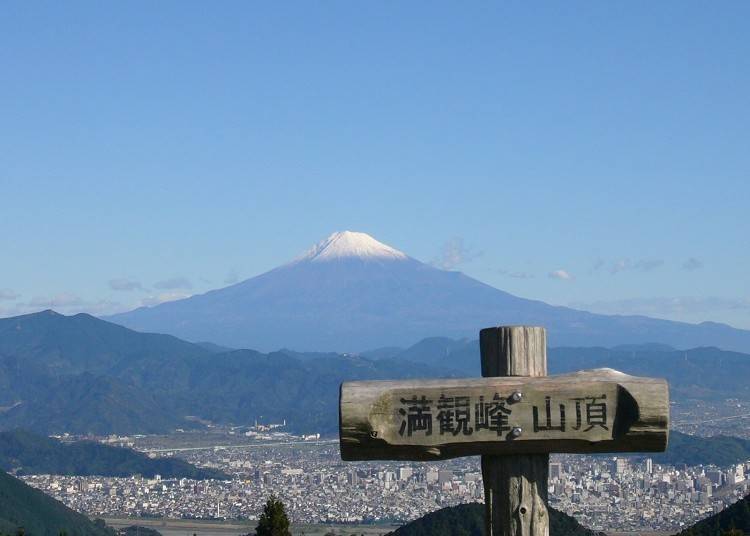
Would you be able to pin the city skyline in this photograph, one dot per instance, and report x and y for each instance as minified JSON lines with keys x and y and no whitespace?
{"x":621,"y":493}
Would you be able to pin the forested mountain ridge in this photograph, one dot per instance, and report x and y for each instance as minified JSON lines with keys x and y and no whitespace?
{"x":145,"y":383}
{"x":694,"y":450}
{"x":705,"y":372}
{"x":82,"y":343}
{"x":25,"y":453}
{"x":81,"y":375}
{"x":22,"y":506}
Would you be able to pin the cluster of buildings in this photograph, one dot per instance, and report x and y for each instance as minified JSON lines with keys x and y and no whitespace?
{"x":615,"y":493}
{"x":323,"y":496}
{"x":317,"y":487}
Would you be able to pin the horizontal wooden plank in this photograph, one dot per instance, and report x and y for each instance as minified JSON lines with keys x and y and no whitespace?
{"x":599,"y":410}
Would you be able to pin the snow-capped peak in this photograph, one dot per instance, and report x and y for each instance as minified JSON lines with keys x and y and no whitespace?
{"x":350,"y":244}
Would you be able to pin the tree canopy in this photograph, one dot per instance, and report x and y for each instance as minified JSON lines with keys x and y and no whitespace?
{"x":273,"y":521}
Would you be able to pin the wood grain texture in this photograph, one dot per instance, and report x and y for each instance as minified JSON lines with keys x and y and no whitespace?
{"x":374,"y":422}
{"x":513,"y":351}
{"x":637,"y":416}
{"x":515,"y":486}
{"x":515,"y":494}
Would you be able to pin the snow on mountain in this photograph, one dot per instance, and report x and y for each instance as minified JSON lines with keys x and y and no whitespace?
{"x":352,"y":293}
{"x":348,"y":244}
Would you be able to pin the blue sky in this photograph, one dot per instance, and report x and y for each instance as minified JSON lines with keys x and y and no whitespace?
{"x":587,"y":154}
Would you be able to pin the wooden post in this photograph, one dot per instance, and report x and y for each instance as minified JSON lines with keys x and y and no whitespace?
{"x":524,"y":420}
{"x":515,"y":486}
{"x":399,"y":420}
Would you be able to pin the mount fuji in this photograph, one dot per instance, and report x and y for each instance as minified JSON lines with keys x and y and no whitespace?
{"x":352,"y":293}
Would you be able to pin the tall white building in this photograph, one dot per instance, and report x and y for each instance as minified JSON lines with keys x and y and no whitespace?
{"x":739,"y":473}
{"x":404,"y":473}
{"x":432,"y":476}
{"x":555,"y":470}
{"x":619,"y":466}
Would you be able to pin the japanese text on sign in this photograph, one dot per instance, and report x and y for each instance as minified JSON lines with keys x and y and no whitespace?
{"x":467,"y":415}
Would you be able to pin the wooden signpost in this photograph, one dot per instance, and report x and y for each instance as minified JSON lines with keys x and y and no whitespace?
{"x":513,"y":417}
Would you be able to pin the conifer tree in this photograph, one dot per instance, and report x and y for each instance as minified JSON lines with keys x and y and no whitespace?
{"x":273,"y":520}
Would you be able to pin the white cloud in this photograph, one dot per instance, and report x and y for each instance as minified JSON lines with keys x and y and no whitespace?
{"x":124,"y":284}
{"x":62,"y":300}
{"x":8,"y":295}
{"x":453,"y":253}
{"x":561,"y":274}
{"x":643,"y":265}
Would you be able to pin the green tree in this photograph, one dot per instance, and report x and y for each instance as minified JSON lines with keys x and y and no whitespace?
{"x":273,"y":520}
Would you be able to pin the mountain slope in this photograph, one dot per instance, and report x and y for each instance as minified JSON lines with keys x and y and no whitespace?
{"x":468,"y":520}
{"x":26,"y":453}
{"x":694,"y":450}
{"x":696,"y":373}
{"x":73,"y":344}
{"x":39,"y":515}
{"x":244,"y":385}
{"x":351,"y":292}
{"x":82,"y":375}
{"x":88,"y":404}
{"x":734,"y":521}
{"x":48,"y":387}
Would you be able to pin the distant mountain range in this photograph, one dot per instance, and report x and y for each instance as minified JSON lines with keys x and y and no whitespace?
{"x":351,"y":292}
{"x":698,"y":373}
{"x":693,"y":450}
{"x":79,"y":374}
{"x":26,"y":453}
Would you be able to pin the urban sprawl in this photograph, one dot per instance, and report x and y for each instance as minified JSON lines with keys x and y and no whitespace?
{"x":307,"y":474}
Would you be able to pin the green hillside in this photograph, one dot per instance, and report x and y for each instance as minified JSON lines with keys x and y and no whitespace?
{"x":732,"y":521}
{"x":89,"y":404}
{"x":39,"y":514}
{"x":26,"y":453}
{"x":83,"y":343}
{"x":468,"y":520}
{"x":707,"y":372}
{"x":695,"y":450}
{"x":80,"y":374}
{"x":704,"y":372}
